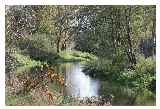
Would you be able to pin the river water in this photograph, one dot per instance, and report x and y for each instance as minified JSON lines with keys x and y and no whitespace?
{"x":80,"y":85}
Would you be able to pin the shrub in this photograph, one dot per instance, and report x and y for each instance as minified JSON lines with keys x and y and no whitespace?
{"x":100,"y":69}
{"x":38,"y":47}
{"x":146,"y":66}
{"x":143,"y":77}
{"x":146,"y":72}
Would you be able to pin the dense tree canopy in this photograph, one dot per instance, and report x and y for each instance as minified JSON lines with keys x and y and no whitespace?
{"x":117,"y":43}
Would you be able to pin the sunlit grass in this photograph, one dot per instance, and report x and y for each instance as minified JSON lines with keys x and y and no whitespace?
{"x":76,"y":56}
{"x":25,"y":62}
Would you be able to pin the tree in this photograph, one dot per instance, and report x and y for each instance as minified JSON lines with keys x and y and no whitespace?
{"x":21,"y":21}
{"x":58,"y":21}
{"x":114,"y":31}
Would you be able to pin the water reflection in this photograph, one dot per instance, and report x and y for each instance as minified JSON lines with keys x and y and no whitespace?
{"x":78,"y":84}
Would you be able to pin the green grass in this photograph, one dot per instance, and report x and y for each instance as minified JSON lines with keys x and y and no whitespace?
{"x":13,"y":100}
{"x":72,"y":56}
{"x":64,"y":56}
{"x":25,"y":62}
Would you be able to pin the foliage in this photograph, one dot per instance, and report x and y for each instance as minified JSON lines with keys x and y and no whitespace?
{"x":146,"y":66}
{"x":141,"y":78}
{"x":108,"y":30}
{"x":99,"y":69}
{"x":38,"y":47}
{"x":59,"y":22}
{"x":109,"y":39}
{"x":12,"y":100}
{"x":10,"y":63}
{"x":32,"y":100}
{"x":146,"y":73}
{"x":24,"y":60}
{"x":20,"y":21}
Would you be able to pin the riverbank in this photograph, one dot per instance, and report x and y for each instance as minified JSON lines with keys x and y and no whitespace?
{"x":20,"y":64}
{"x":141,"y":76}
{"x":24,"y":61}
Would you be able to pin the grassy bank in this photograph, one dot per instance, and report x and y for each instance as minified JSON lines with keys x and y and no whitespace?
{"x":26,"y":61}
{"x":72,"y":56}
{"x":23,"y":63}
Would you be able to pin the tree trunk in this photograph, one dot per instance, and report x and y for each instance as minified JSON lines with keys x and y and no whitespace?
{"x":154,"y":27}
{"x":58,"y":45}
{"x":112,"y":32}
{"x":130,"y":53}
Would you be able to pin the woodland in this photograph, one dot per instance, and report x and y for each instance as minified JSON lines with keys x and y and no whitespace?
{"x":110,"y":49}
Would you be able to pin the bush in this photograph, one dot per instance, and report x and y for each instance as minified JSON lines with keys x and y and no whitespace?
{"x":106,"y":68}
{"x":42,"y":41}
{"x":10,"y":63}
{"x":143,"y":77}
{"x":38,"y":47}
{"x":101,"y":68}
{"x":146,"y":72}
{"x":146,"y":66}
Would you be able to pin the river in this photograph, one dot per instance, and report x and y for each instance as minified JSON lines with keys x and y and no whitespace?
{"x":80,"y":85}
